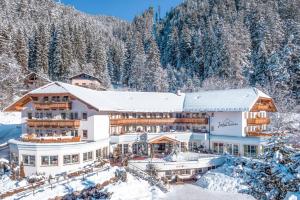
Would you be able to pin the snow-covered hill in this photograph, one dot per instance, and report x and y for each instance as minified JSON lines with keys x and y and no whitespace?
{"x":10,"y":126}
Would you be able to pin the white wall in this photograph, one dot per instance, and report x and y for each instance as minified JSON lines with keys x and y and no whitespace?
{"x":227,"y":123}
{"x":100,"y":127}
{"x":38,"y":150}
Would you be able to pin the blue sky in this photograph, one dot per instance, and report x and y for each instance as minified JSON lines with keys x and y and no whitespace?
{"x":124,"y":9}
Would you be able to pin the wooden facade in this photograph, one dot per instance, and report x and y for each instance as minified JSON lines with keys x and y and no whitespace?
{"x":51,"y":140}
{"x":264,"y":104}
{"x":53,"y":123}
{"x":258,"y":121}
{"x":258,"y":134}
{"x":157,"y":121}
{"x":53,"y":105}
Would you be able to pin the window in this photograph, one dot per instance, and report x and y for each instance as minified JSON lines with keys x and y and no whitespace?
{"x":84,"y":133}
{"x":49,"y":115}
{"x":49,"y":160}
{"x":250,"y":150}
{"x":212,"y":128}
{"x":71,"y":159}
{"x":35,"y":98}
{"x":98,"y":153}
{"x":87,"y":156}
{"x":218,"y":148}
{"x":28,"y":160}
{"x":29,"y":115}
{"x":63,"y":115}
{"x":185,"y":171}
{"x":74,"y":115}
{"x":84,"y":116}
{"x":232,"y":149}
{"x":65,"y":99}
{"x":46,"y":99}
{"x":125,"y":148}
{"x":235,"y":149}
{"x":74,"y":133}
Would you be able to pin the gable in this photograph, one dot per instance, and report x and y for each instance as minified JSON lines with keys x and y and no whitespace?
{"x":264,"y":104}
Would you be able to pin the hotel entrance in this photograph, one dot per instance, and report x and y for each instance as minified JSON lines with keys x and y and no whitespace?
{"x":162,"y":146}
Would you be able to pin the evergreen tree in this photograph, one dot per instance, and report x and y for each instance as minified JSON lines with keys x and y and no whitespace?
{"x":55,"y":59}
{"x":100,"y":64}
{"x":155,"y":77}
{"x":20,"y":50}
{"x":41,"y":47}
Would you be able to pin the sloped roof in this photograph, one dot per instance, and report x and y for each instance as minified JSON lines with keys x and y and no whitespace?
{"x":119,"y":100}
{"x":222,"y":100}
{"x":124,"y":101}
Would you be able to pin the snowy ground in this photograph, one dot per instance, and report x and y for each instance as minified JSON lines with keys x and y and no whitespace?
{"x":132,"y":189}
{"x":75,"y":185}
{"x":194,"y":192}
{"x":221,"y":179}
{"x":10,"y":126}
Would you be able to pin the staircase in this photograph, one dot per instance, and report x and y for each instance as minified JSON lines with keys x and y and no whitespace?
{"x":139,"y":173}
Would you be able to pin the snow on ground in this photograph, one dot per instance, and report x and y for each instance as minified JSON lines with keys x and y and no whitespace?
{"x":184,"y":156}
{"x":134,"y":188}
{"x":10,"y":126}
{"x":6,"y":183}
{"x":194,"y":192}
{"x":292,"y":196}
{"x":75,"y":185}
{"x":221,"y":179}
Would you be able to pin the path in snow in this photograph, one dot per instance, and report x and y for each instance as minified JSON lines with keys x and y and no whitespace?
{"x":194,"y":192}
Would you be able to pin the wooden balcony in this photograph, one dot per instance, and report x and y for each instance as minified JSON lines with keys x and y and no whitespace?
{"x":258,"y":121}
{"x":53,"y":105}
{"x":53,"y":123}
{"x":258,"y":134}
{"x":157,"y":121}
{"x":51,"y":140}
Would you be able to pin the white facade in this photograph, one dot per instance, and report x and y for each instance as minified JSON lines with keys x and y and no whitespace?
{"x":21,"y":149}
{"x":195,"y":120}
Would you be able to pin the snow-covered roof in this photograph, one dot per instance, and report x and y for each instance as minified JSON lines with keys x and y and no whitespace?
{"x":222,"y":100}
{"x":124,"y":101}
{"x":119,"y":100}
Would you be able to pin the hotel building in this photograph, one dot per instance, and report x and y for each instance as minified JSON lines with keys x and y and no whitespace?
{"x":65,"y":127}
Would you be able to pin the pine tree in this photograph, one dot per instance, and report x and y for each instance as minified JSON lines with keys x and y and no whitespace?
{"x":32,"y":55}
{"x":20,"y":50}
{"x":79,"y":45}
{"x":115,"y":62}
{"x":100,"y":64}
{"x":41,"y":50}
{"x":4,"y":41}
{"x":155,"y":77}
{"x":66,"y":53}
{"x":55,"y":60}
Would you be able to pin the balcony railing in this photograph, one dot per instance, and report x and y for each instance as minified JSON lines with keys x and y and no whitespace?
{"x":156,"y":121}
{"x":53,"y":105}
{"x":258,"y":121}
{"x":50,"y":140}
{"x":53,"y":123}
{"x":258,"y":134}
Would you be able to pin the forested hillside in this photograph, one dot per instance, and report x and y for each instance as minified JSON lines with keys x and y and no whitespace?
{"x":200,"y":43}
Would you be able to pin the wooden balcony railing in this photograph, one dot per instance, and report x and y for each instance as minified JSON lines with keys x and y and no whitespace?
{"x":53,"y":105}
{"x":53,"y":123}
{"x":262,"y":107}
{"x":156,"y":121}
{"x":258,"y":121}
{"x":258,"y":134}
{"x":51,"y":140}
